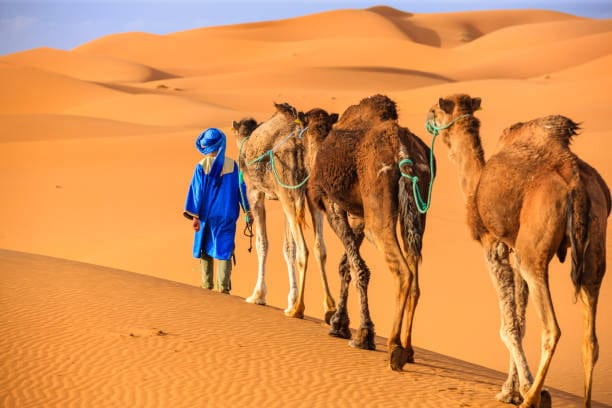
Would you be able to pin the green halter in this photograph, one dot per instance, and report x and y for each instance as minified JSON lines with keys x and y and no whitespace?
{"x":434,"y":130}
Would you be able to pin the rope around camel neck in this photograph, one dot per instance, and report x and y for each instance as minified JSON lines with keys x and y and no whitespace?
{"x":270,"y":155}
{"x":434,"y":130}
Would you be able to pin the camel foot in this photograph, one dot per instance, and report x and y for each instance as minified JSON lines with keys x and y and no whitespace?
{"x":341,"y":332}
{"x":296,"y":312}
{"x":545,"y":401}
{"x":328,"y":315}
{"x":256,"y":299}
{"x":340,"y":324}
{"x":364,"y":339}
{"x":509,"y":397}
{"x":399,"y":356}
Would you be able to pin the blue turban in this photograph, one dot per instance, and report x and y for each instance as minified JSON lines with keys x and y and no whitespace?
{"x":210,"y":141}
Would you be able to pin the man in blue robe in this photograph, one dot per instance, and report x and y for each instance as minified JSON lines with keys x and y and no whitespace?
{"x":215,"y":196}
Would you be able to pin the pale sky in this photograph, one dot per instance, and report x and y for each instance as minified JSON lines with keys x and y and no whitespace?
{"x":64,"y":24}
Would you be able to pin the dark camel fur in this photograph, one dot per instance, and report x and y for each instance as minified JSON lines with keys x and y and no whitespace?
{"x":532,"y":200}
{"x":356,"y":180}
{"x":283,"y":134}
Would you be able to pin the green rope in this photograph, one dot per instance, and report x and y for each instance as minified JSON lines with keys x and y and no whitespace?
{"x":422,"y":205}
{"x":434,"y":130}
{"x":270,"y":155}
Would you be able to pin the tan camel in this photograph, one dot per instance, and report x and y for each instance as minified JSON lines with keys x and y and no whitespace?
{"x":530,"y":201}
{"x":356,"y":176}
{"x":274,"y":158}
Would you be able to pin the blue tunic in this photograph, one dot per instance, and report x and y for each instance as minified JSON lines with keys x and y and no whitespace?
{"x":216,"y":202}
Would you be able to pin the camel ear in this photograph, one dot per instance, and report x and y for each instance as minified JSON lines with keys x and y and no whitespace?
{"x":235,"y":125}
{"x":333,"y":118}
{"x":301,"y":116}
{"x":475,"y":104}
{"x":446,"y":105}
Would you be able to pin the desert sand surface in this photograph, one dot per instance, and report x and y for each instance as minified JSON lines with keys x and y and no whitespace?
{"x":77,"y":334}
{"x":96,"y":153}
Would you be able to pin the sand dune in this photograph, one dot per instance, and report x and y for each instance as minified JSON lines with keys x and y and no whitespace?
{"x":533,"y":61}
{"x":96,"y":150}
{"x":85,"y":68}
{"x":46,"y":127}
{"x":30,"y":90}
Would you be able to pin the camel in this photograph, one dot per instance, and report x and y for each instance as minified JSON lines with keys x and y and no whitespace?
{"x":533,"y":199}
{"x":274,"y":159}
{"x":357,"y":181}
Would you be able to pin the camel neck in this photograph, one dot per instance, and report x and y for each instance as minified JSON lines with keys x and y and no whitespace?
{"x":467,"y":153}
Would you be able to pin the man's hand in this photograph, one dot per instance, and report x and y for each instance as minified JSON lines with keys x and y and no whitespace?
{"x":249,"y":217}
{"x":196,"y":224}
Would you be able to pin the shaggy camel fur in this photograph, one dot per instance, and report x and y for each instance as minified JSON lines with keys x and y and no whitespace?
{"x":356,"y":179}
{"x":274,"y":154}
{"x":531,"y":200}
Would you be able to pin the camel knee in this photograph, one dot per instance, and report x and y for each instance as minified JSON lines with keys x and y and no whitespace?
{"x":551,"y":338}
{"x":510,"y":334}
{"x":301,"y":260}
{"x":320,"y":251}
{"x":261,"y":245}
{"x":363,"y":277}
{"x":415,"y":290}
{"x":590,"y":350}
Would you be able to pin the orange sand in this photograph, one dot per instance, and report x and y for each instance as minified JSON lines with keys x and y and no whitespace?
{"x":96,"y":151}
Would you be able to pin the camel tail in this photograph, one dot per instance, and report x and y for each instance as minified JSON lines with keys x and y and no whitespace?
{"x":578,"y":233}
{"x":412,"y":224}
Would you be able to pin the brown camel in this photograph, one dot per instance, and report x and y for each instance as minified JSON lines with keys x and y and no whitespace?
{"x":530,"y":201}
{"x":274,"y":157}
{"x":357,"y":180}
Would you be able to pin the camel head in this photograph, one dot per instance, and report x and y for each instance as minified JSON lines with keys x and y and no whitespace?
{"x":318,"y":122}
{"x":243,"y":128}
{"x":443,"y":116}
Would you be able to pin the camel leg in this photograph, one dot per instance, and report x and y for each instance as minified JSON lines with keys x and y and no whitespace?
{"x":537,"y":279}
{"x":385,"y":238}
{"x":512,"y":325}
{"x":296,"y":309}
{"x":320,"y":253}
{"x":258,"y":209}
{"x":289,"y":254}
{"x":339,"y":223}
{"x":413,"y":299}
{"x":340,"y":322}
{"x":590,"y":347}
{"x":510,"y":392}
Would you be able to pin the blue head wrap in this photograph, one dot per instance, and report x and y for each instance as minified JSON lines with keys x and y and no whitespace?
{"x":210,"y":141}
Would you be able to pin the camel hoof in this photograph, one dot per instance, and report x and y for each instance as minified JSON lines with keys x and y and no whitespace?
{"x":328,"y":316}
{"x":545,"y":401}
{"x":341,"y":332}
{"x":296,"y":313}
{"x":509,"y":397}
{"x":399,"y":356}
{"x":256,"y":300}
{"x":362,"y":345}
{"x":410,"y":356}
{"x":364,"y":339}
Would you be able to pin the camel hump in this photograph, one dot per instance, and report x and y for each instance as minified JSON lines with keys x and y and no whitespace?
{"x":373,"y":108}
{"x":289,"y":111}
{"x":542,"y":131}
